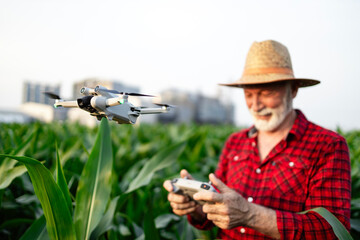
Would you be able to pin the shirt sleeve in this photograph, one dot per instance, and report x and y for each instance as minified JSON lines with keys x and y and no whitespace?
{"x":329,"y":187}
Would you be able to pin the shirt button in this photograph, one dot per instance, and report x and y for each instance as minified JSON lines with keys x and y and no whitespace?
{"x":291,"y":164}
{"x":253,"y":144}
{"x":258,"y":170}
{"x":250,"y":199}
{"x":236,"y":158}
{"x":242,"y":230}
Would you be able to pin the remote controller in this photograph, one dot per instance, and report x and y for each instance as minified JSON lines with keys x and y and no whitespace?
{"x":190,"y":187}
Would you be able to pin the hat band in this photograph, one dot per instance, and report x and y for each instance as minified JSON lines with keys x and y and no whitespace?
{"x":253,"y":71}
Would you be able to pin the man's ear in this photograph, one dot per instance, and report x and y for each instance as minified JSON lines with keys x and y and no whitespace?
{"x":294,"y":89}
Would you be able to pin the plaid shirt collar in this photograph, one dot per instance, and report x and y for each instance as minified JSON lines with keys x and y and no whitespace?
{"x":297,"y":130}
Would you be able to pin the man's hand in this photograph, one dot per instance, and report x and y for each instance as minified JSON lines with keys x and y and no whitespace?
{"x":226,"y":209}
{"x":181,"y":204}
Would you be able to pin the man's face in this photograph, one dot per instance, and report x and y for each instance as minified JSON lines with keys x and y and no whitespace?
{"x":269,"y":104}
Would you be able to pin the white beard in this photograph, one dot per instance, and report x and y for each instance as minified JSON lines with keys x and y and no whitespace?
{"x":277,"y":114}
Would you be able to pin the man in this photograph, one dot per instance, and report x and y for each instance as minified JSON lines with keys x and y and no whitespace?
{"x":281,"y":166}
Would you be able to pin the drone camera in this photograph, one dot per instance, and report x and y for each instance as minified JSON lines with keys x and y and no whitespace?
{"x":85,"y":103}
{"x":99,"y":88}
{"x":87,"y":91}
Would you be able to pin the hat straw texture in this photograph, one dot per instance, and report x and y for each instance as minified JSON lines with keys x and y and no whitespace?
{"x":266,"y":62}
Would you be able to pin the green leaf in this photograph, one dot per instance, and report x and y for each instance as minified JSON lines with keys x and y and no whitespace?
{"x":61,"y":181}
{"x":58,"y":219}
{"x":338,"y":228}
{"x":105,"y":223}
{"x":7,"y":176}
{"x":1,"y":197}
{"x":163,"y":221}
{"x":15,"y":222}
{"x":186,"y":230}
{"x":7,"y":170}
{"x":355,"y":224}
{"x":26,"y":199}
{"x":94,"y":187}
{"x":37,"y":230}
{"x":163,"y":159}
{"x":150,"y":231}
{"x":132,"y":226}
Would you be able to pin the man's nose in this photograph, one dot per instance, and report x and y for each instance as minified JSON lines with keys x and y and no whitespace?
{"x":256,"y":104}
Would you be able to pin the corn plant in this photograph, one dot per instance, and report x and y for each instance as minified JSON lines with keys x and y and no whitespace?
{"x":93,"y":191}
{"x":110,"y":182}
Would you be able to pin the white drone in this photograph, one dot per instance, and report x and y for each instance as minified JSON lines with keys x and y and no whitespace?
{"x":102,"y":102}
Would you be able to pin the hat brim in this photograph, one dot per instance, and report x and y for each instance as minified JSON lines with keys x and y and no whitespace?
{"x":302,"y":82}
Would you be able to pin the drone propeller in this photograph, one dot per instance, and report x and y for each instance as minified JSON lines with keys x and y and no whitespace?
{"x":125,"y":93}
{"x":138,"y":95}
{"x":52,"y":95}
{"x":164,"y":105}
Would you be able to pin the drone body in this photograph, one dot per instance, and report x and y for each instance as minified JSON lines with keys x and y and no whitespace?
{"x":102,"y":102}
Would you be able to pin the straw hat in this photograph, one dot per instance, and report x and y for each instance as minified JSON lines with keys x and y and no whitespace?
{"x":269,"y":61}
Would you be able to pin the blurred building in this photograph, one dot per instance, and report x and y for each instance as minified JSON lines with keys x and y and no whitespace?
{"x":185,"y":111}
{"x":196,"y":108}
{"x":37,"y":105}
{"x":214,"y":111}
{"x":34,"y":92}
{"x":11,"y":116}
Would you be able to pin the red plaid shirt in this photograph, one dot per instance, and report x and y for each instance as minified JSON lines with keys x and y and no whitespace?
{"x":310,"y":168}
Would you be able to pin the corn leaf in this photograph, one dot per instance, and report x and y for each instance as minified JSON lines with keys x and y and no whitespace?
{"x":355,"y":224}
{"x":94,"y":187}
{"x":58,"y":219}
{"x":7,"y":170}
{"x":150,"y":231}
{"x":26,"y":199}
{"x":37,"y":230}
{"x":186,"y":232}
{"x":61,"y":181}
{"x":163,"y":221}
{"x":1,"y":197}
{"x":163,"y":159}
{"x":338,"y":228}
{"x":9,"y":175}
{"x":14,"y":223}
{"x":105,"y":223}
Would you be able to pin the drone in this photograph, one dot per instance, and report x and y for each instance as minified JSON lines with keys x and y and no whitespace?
{"x":112,"y":104}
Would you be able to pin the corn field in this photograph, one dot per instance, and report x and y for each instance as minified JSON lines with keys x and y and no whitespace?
{"x":68,"y":181}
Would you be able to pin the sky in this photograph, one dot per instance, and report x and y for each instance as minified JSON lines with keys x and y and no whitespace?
{"x":190,"y":45}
